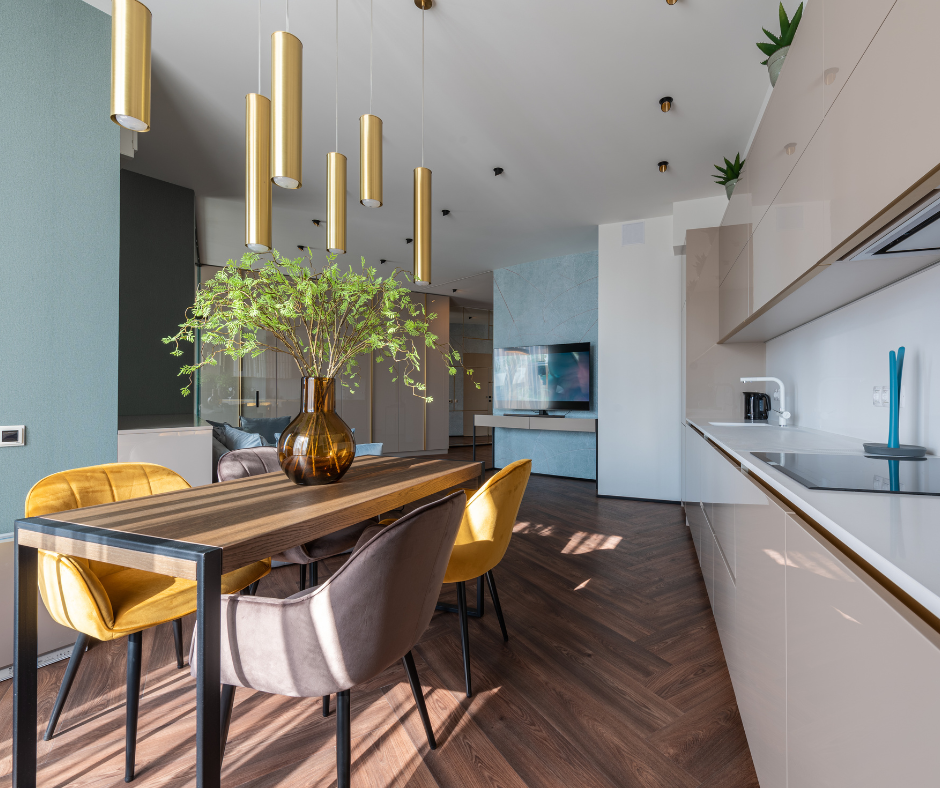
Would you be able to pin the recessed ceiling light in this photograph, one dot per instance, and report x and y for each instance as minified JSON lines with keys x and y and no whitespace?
{"x":408,"y":240}
{"x":663,"y":166}
{"x":382,"y":261}
{"x":498,"y":170}
{"x":670,"y":2}
{"x":665,"y":103}
{"x":445,"y":212}
{"x":316,"y":222}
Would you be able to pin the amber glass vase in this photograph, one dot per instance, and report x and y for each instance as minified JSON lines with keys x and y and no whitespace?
{"x":317,"y":447}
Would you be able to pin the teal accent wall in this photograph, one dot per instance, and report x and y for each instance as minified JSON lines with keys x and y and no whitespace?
{"x":158,"y":283}
{"x":548,"y":302}
{"x":59,"y":203}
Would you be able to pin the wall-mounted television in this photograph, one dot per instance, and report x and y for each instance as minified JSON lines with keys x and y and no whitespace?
{"x":543,"y":377}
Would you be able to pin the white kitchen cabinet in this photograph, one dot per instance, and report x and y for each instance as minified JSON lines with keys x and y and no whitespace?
{"x":794,"y":113}
{"x":850,"y":25}
{"x":882,"y":127}
{"x":758,"y":664}
{"x":863,"y":676}
{"x":735,"y":226}
{"x":734,"y":293}
{"x":708,"y":563}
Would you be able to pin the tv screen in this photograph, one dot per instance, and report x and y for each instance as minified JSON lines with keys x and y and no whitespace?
{"x":543,"y":377}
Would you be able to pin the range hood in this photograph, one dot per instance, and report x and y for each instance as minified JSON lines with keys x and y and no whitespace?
{"x":916,"y":234}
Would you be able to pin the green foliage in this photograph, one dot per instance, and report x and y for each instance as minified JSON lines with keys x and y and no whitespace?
{"x":730,"y":172}
{"x":323,"y":319}
{"x":787,"y":31}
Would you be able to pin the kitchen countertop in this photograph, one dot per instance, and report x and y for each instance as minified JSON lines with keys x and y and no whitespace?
{"x":898,"y":535}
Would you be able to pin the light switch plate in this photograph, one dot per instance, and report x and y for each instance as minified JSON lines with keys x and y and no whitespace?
{"x":13,"y":436}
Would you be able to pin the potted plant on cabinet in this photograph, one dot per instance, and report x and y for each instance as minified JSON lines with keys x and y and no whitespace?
{"x":776,"y":49}
{"x":729,"y":174}
{"x":325,"y":320}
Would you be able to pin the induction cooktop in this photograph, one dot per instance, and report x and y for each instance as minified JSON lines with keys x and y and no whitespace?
{"x":858,"y":473}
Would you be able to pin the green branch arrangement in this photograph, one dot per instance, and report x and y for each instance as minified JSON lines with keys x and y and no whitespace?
{"x":325,"y":320}
{"x":730,"y":172}
{"x":787,"y":32}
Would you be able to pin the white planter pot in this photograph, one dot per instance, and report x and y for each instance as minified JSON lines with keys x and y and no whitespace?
{"x":775,"y":63}
{"x":729,"y":187}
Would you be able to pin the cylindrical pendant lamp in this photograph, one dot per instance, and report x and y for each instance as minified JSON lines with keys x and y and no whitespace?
{"x":286,"y":110}
{"x":422,"y":230}
{"x":336,"y":203}
{"x":257,"y":173}
{"x":370,"y":161}
{"x":130,"y":64}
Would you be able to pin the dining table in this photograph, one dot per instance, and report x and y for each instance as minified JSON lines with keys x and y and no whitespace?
{"x":200,"y":533}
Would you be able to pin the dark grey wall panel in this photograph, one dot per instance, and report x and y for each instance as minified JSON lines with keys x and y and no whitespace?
{"x":157,"y":284}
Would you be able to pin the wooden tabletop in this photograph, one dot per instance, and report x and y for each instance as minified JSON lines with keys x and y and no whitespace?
{"x":257,"y":517}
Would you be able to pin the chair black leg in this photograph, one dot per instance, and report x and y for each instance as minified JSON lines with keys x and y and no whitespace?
{"x":326,"y":705}
{"x":303,"y":577}
{"x":491,"y":581}
{"x":178,"y":641}
{"x":478,"y":613}
{"x":409,"y":662}
{"x":227,"y":701}
{"x":314,"y":574}
{"x":78,"y":651}
{"x":464,"y":632}
{"x":134,"y":656}
{"x":253,"y":588}
{"x":343,"y":745}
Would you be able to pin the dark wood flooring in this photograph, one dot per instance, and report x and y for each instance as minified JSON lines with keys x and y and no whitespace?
{"x":613,"y":677}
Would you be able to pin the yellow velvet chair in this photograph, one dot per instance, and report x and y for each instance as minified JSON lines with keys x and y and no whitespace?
{"x":105,"y":601}
{"x":481,"y":544}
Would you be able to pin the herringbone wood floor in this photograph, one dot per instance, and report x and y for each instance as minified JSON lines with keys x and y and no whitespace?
{"x":613,"y":676}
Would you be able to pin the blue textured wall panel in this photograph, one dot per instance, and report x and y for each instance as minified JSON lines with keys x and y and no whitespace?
{"x":546,"y":302}
{"x":59,"y":203}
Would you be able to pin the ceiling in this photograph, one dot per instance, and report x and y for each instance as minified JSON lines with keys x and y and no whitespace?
{"x":564,"y":96}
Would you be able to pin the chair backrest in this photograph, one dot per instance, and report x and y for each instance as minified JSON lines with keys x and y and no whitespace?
{"x":98,"y":484}
{"x":248,"y":462}
{"x":487,"y":523}
{"x":348,"y":630}
{"x":372,"y":449}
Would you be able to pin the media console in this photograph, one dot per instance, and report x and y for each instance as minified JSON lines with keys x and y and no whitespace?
{"x":531,"y":423}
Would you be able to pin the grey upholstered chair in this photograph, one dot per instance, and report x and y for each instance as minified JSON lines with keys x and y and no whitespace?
{"x":325,"y":640}
{"x":252,"y":462}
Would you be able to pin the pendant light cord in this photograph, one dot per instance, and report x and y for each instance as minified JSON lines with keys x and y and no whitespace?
{"x":337,"y":75}
{"x":371,"y":26}
{"x":422,"y":88}
{"x":259,"y":47}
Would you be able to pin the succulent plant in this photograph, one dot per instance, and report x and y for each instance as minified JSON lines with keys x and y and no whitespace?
{"x":730,"y":172}
{"x":787,"y":31}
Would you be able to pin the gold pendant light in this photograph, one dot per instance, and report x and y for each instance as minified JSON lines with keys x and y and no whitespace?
{"x":422,"y":189}
{"x":258,"y":165}
{"x":130,"y":64}
{"x":336,"y":179}
{"x":257,"y":173}
{"x":286,"y":110}
{"x":370,"y":146}
{"x":336,"y":203}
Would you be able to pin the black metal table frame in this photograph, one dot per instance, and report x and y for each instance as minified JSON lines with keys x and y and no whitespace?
{"x":208,"y":561}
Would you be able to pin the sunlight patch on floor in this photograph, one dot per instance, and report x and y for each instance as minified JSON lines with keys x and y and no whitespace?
{"x":587,"y":543}
{"x":533,"y":528}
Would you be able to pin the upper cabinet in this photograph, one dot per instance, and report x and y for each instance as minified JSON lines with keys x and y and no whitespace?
{"x":850,"y":25}
{"x":848,"y":143}
{"x":794,"y":113}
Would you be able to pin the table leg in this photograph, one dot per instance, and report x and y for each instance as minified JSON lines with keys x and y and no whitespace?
{"x":26,"y":585}
{"x":208,"y":690}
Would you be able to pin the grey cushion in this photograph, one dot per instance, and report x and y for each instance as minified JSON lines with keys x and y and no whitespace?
{"x":349,"y":629}
{"x":266,"y":427}
{"x":218,"y":429}
{"x":368,"y":448}
{"x":241,"y":463}
{"x":239,"y":439}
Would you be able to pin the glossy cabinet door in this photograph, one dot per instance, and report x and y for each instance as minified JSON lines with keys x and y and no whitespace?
{"x":795,"y":234}
{"x":758,"y":666}
{"x":708,"y":563}
{"x":850,"y":25}
{"x":735,"y":227}
{"x":724,"y":604}
{"x":734,"y":294}
{"x":863,"y":676}
{"x":794,"y":113}
{"x":883,"y":126}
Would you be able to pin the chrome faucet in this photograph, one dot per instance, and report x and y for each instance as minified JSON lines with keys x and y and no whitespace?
{"x":783,"y":414}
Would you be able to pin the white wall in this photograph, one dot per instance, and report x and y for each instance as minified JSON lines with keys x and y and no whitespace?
{"x":639,"y":363}
{"x":830,"y":366}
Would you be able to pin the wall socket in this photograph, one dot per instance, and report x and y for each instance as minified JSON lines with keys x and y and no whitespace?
{"x":13,"y":436}
{"x":881,"y":397}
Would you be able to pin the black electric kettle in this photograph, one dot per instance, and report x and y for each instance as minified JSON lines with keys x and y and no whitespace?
{"x":756,"y":406}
